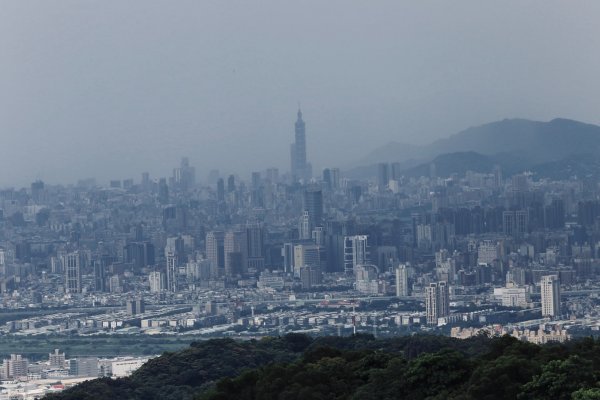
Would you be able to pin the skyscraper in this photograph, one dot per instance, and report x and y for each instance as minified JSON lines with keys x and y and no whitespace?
{"x":100,"y":275}
{"x":172,"y":272}
{"x":437,"y":302}
{"x":313,"y":203}
{"x":300,"y":168}
{"x":383,"y":176}
{"x":356,"y":252}
{"x":255,"y":235}
{"x":306,"y":255}
{"x":401,"y":281}
{"x":550,"y":290}
{"x":185,"y":176}
{"x":235,"y":250}
{"x":72,"y":265}
{"x":327,"y":178}
{"x":220,"y":190}
{"x":304,"y":227}
{"x":157,"y":281}
{"x":215,"y":250}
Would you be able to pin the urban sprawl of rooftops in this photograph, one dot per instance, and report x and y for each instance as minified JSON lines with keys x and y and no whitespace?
{"x":326,"y":255}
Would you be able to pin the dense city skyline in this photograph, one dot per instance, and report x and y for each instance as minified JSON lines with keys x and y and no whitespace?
{"x":341,"y":199}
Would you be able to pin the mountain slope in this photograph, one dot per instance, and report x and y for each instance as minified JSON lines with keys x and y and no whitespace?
{"x":581,"y":166}
{"x":537,"y":142}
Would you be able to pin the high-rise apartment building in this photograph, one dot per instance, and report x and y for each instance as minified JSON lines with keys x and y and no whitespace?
{"x":401,"y":281}
{"x":56,"y":359}
{"x":14,"y":367}
{"x":157,"y":281}
{"x":550,"y":291}
{"x":437,"y":302}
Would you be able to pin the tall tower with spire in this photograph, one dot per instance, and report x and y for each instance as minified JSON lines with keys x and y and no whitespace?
{"x":300,"y":168}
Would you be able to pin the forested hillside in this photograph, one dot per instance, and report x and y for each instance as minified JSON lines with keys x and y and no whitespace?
{"x":361,"y":367}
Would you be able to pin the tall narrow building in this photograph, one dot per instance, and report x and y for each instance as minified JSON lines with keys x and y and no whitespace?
{"x":72,"y":265}
{"x":356,"y":252}
{"x":215,"y":252}
{"x":437,"y":302}
{"x":255,"y":235}
{"x":157,"y":281}
{"x":313,"y":203}
{"x":401,"y":281}
{"x":236,"y":253}
{"x":550,"y":290}
{"x":300,"y":168}
{"x":172,"y":272}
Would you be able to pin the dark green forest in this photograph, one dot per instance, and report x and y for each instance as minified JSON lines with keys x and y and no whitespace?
{"x":361,"y":367}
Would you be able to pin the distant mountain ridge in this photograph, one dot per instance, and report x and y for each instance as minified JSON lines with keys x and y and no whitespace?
{"x":514,"y":144}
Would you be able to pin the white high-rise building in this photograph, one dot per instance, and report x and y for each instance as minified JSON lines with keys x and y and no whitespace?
{"x":304,"y":226}
{"x":550,"y":290}
{"x":437,"y":302}
{"x":401,"y":281}
{"x":157,"y":281}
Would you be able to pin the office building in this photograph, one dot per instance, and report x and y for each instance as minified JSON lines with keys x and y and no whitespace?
{"x":235,"y":250}
{"x":383,"y":176}
{"x":172,"y":272}
{"x":215,"y":250}
{"x":72,"y":265}
{"x":356,"y":252}
{"x":255,"y":247}
{"x":140,"y":254}
{"x":306,"y":255}
{"x":313,"y":205}
{"x":310,"y":276}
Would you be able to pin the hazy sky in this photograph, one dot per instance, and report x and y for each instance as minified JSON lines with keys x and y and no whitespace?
{"x":113,"y":88}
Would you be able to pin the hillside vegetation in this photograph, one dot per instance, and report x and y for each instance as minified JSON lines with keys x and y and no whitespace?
{"x":361,"y":367}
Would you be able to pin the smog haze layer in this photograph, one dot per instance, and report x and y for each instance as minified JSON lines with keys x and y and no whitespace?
{"x":110,"y":89}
